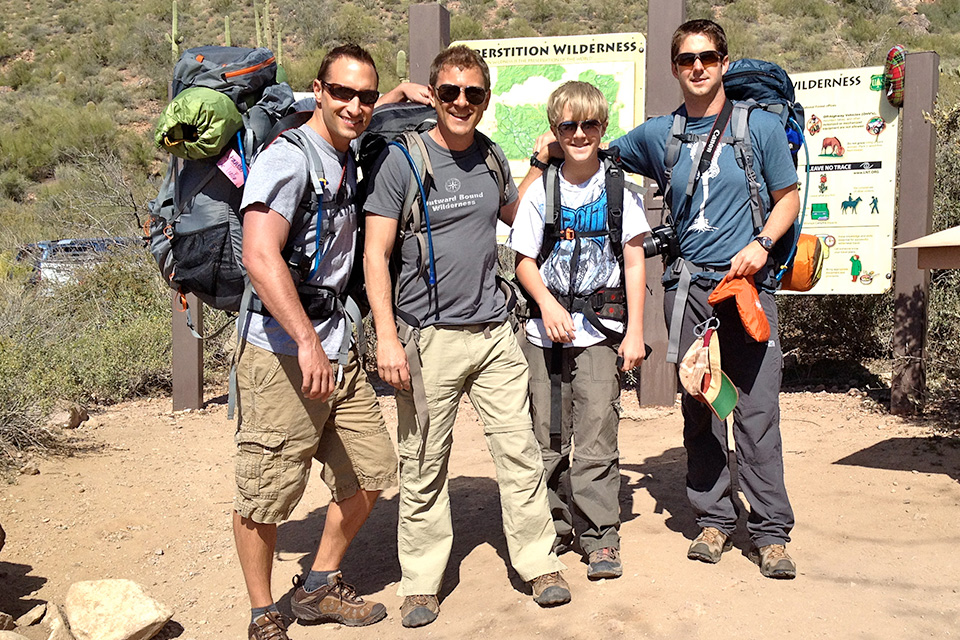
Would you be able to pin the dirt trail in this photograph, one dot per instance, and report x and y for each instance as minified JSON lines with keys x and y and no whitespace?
{"x":877,"y":500}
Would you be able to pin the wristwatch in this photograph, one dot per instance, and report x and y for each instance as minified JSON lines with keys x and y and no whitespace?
{"x":538,"y":163}
{"x":765,"y":242}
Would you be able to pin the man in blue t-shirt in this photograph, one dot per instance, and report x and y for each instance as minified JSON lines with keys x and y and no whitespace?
{"x":716,"y":236}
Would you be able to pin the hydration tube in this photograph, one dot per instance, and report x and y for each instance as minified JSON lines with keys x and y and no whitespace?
{"x":803,"y":206}
{"x":243,"y":157}
{"x":426,"y":212}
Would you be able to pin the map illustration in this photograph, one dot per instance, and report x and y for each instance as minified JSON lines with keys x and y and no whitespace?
{"x":518,"y":108}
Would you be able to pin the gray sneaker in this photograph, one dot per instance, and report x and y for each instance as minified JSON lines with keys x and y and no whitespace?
{"x":604,"y":563}
{"x":709,"y":545}
{"x":550,"y":590}
{"x":775,"y":562}
{"x":419,"y":610}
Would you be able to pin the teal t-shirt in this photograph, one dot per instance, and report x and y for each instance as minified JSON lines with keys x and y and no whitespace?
{"x":717,"y":221}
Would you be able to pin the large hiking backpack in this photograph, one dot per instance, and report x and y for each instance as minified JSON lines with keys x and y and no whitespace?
{"x":766,"y":86}
{"x":195,"y":231}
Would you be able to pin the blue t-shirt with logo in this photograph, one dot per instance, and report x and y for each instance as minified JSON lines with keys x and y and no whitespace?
{"x":717,"y":221}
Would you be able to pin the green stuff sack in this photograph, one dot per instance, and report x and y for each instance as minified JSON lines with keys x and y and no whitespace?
{"x":198,"y":124}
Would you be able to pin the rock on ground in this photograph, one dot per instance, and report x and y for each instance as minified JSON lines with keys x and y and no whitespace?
{"x":6,"y":622}
{"x":33,"y":616}
{"x":10,"y":635}
{"x":113,"y":610}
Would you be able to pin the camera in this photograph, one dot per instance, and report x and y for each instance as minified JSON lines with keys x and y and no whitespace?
{"x":662,"y":241}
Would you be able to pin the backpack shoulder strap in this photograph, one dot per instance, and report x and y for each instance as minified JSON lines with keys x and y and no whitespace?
{"x":490,"y":157}
{"x":614,"y":185}
{"x":552,"y":218}
{"x":743,"y":147}
{"x":671,"y":154}
{"x":421,"y":173}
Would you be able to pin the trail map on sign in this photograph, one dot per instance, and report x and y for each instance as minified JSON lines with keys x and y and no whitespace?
{"x":524,"y":71}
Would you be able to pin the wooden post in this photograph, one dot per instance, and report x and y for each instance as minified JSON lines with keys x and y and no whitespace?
{"x":187,"y":355}
{"x":429,"y":32}
{"x":658,"y":378}
{"x":914,"y":219}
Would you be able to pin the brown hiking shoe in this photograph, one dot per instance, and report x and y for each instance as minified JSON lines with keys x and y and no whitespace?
{"x":709,"y":545}
{"x":550,"y":590}
{"x":775,"y":562}
{"x":269,"y":626}
{"x":419,"y":610}
{"x":336,"y":601}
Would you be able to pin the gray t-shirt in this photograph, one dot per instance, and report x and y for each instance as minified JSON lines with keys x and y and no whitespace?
{"x":464,"y":203}
{"x":279,"y":180}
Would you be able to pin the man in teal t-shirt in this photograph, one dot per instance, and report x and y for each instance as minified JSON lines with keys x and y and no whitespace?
{"x":716,"y":236}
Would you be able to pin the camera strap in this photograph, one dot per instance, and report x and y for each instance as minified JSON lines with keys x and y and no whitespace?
{"x":710,"y":146}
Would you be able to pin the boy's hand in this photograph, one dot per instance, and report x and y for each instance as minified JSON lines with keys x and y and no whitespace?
{"x":557,"y":322}
{"x":632,"y":351}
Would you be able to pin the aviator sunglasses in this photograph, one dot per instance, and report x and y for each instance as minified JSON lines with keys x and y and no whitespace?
{"x":346,"y":94}
{"x":590,"y":127}
{"x":450,"y":92}
{"x":706,"y":58}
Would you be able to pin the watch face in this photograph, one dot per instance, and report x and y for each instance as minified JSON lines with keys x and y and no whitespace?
{"x":765,"y":242}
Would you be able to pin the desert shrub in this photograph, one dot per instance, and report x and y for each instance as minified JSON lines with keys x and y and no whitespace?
{"x":465,"y":28}
{"x":19,"y":74}
{"x":943,"y":337}
{"x":13,"y":185}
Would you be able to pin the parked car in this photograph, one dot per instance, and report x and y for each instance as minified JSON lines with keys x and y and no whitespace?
{"x":58,"y":261}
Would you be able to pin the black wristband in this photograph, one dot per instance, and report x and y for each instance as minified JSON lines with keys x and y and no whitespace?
{"x":538,"y":163}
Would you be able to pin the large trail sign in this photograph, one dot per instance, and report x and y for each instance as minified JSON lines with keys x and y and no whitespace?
{"x":851,"y":136}
{"x":524,"y":71}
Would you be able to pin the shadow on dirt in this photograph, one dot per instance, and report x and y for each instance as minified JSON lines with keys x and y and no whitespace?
{"x":371,"y":562}
{"x":18,"y":583}
{"x":933,"y":454}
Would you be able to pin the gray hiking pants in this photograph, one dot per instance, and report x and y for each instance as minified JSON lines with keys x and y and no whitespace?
{"x":755,"y":368}
{"x":585,"y":484}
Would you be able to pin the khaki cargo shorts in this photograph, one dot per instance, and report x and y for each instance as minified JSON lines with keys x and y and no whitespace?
{"x":280,"y":433}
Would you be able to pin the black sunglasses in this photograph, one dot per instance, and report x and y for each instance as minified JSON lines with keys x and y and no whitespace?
{"x":346,"y":94}
{"x":590,"y":127}
{"x":450,"y":92}
{"x":706,"y":58}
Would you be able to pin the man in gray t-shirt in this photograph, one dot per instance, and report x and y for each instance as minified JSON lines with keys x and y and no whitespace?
{"x":302,"y":396}
{"x":454,"y":338}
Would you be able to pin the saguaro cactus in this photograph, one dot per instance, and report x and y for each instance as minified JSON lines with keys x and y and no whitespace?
{"x":174,"y":37}
{"x":226,"y":31}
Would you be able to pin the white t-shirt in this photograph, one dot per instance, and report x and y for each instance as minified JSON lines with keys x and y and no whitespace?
{"x":584,"y":208}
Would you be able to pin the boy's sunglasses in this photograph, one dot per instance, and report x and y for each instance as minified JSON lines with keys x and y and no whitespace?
{"x":450,"y":92}
{"x":706,"y":58}
{"x":590,"y":127}
{"x":346,"y":94}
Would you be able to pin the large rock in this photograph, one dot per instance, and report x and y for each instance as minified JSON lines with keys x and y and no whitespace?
{"x":113,"y":610}
{"x":10,"y":635}
{"x":6,"y":622}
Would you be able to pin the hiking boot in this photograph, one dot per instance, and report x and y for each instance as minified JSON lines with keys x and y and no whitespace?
{"x":709,"y":545}
{"x":775,"y":562}
{"x":550,"y":590}
{"x":336,"y":601}
{"x":418,"y":611}
{"x":270,"y":626}
{"x":604,"y":563}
